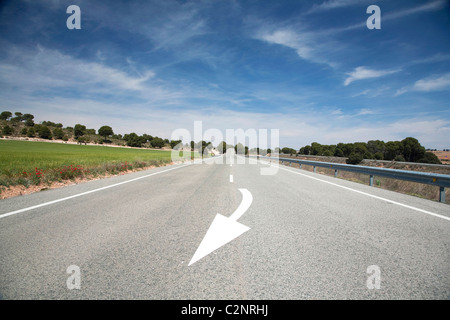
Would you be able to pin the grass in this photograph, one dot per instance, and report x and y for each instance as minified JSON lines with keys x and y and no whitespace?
{"x":33,"y":163}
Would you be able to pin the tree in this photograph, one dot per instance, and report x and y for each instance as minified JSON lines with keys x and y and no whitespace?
{"x":378,"y":155}
{"x":361,"y":148}
{"x":174,"y":143}
{"x":157,"y":142}
{"x":83,"y":139}
{"x":31,"y":132}
{"x":316,"y":149}
{"x":375,"y":146}
{"x":287,"y":150}
{"x":58,"y":133}
{"x":5,"y":115}
{"x":430,"y":157}
{"x":44,"y":132}
{"x":28,"y":118}
{"x":133,"y":140}
{"x":29,"y":122}
{"x":354,"y":158}
{"x":393,"y":149}
{"x":338,"y":152}
{"x":19,"y":116}
{"x":7,"y":130}
{"x":412,"y":150}
{"x":79,"y":130}
{"x":307,"y":150}
{"x":105,"y":131}
{"x":146,"y":138}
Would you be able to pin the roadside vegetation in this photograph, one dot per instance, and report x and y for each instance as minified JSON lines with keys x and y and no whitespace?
{"x":406,"y":150}
{"x":31,"y":163}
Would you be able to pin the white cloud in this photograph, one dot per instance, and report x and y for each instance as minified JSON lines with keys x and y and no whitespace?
{"x":364,"y":111}
{"x":430,"y":6}
{"x":333,"y":4}
{"x":433,"y":84}
{"x":45,"y":68}
{"x":361,"y":73}
{"x":308,"y":45}
{"x":401,"y":91}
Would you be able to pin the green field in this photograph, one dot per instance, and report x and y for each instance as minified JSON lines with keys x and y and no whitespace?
{"x":27,"y":162}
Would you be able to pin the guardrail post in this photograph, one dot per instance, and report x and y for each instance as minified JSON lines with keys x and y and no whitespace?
{"x":335,"y":173}
{"x":371,"y":181}
{"x":442,"y":194}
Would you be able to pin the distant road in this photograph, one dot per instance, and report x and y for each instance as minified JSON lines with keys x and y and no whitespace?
{"x":310,"y":237}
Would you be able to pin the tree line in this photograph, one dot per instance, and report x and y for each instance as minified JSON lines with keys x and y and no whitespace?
{"x":406,"y":150}
{"x":23,"y":124}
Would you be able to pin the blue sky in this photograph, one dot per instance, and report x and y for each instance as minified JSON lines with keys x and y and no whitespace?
{"x":309,"y":68}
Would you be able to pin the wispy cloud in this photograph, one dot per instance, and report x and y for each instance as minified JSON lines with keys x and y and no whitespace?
{"x":43,"y":68}
{"x":44,"y":71}
{"x":433,"y":83}
{"x":428,"y":7}
{"x":333,"y":4}
{"x":307,"y":45}
{"x":361,"y":73}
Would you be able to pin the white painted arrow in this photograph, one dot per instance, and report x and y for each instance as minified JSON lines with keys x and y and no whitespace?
{"x":224,"y":229}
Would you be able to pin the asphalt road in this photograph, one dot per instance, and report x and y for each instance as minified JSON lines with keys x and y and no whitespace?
{"x":311,"y":237}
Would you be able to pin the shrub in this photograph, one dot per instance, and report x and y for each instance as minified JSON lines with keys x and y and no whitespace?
{"x":7,"y":130}
{"x":31,"y":132}
{"x":58,"y":133}
{"x":430,"y":157}
{"x":44,"y":132}
{"x":354,"y":158}
{"x":378,"y":155}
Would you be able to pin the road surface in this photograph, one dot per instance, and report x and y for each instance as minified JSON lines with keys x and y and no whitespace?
{"x":309,"y":237}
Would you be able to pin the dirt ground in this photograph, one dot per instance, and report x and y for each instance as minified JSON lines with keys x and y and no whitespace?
{"x":444,"y":156}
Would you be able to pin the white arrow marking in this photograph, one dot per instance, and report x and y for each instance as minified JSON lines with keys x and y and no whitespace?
{"x":223,"y":229}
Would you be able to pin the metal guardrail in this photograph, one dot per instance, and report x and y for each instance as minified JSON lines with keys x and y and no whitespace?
{"x":440,"y":180}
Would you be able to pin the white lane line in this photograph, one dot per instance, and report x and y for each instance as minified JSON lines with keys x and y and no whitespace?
{"x":88,"y":192}
{"x":247,"y":200}
{"x":371,"y":195}
{"x":231,"y":178}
